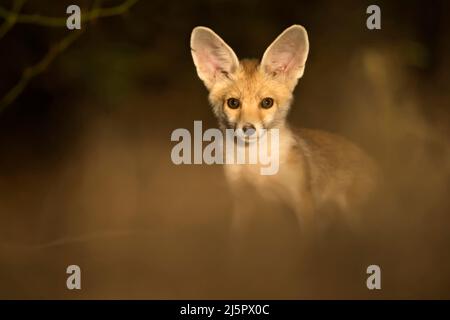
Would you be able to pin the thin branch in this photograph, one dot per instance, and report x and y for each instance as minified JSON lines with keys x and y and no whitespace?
{"x":38,"y":68}
{"x":55,"y":50}
{"x":46,"y":21}
{"x":95,"y":236}
{"x":11,"y":17}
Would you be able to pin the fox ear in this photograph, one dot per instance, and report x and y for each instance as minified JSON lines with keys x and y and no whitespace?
{"x":287,"y":54}
{"x":212,"y":57}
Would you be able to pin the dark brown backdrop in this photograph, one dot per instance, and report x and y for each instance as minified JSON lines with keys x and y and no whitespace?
{"x":86,"y":176}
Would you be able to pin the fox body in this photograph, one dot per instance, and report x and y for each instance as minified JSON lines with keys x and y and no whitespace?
{"x":316,"y":168}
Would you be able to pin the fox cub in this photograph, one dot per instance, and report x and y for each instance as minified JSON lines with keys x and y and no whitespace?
{"x":317,"y":169}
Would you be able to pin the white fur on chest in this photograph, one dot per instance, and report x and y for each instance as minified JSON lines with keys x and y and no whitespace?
{"x":285,"y":184}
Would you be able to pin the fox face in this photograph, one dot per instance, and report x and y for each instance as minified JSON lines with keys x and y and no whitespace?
{"x":250,"y":95}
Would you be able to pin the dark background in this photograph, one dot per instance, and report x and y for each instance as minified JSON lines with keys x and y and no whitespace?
{"x":86,"y":176}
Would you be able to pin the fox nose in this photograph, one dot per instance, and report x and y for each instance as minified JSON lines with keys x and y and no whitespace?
{"x":248,"y":129}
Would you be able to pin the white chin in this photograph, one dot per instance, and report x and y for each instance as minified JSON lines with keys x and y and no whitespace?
{"x":251,"y":138}
{"x":254,"y":137}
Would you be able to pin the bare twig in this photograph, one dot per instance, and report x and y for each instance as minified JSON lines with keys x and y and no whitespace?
{"x":46,"y":21}
{"x":31,"y":72}
{"x":38,"y":68}
{"x":10,"y":17}
{"x":83,"y":238}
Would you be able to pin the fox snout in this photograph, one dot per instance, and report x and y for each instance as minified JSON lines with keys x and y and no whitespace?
{"x":245,"y":130}
{"x":249,"y":129}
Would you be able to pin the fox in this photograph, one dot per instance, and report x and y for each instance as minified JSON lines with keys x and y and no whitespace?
{"x":318,"y":169}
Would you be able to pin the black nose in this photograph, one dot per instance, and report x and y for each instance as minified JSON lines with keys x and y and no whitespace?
{"x":248,"y":129}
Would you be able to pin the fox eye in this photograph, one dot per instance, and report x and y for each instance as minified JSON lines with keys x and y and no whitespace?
{"x":233,"y":103}
{"x":267,"y":103}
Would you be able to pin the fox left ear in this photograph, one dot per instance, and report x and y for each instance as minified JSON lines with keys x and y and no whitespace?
{"x":287,"y":54}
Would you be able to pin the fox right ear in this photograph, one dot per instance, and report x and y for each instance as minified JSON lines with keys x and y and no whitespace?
{"x":287,"y":54}
{"x":212,"y":57}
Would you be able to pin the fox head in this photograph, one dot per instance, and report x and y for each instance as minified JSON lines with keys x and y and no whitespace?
{"x":248,"y":94}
